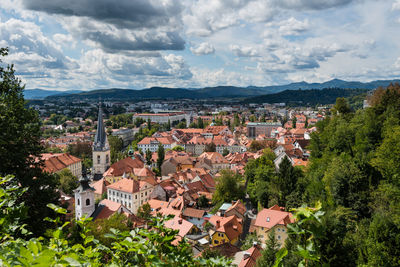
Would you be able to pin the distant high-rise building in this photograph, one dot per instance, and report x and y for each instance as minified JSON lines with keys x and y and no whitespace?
{"x":100,"y":149}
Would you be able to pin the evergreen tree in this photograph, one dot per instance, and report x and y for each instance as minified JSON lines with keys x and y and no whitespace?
{"x":148,"y":157}
{"x":200,"y":123}
{"x":20,"y":149}
{"x":268,"y":255}
{"x":161,"y":155}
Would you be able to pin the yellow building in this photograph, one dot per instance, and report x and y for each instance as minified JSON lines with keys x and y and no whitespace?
{"x":226,"y":229}
{"x":270,"y":219}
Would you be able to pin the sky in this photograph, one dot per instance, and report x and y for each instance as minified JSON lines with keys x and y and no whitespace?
{"x":95,"y":44}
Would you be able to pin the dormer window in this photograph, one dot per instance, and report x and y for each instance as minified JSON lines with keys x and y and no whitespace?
{"x":268,"y":219}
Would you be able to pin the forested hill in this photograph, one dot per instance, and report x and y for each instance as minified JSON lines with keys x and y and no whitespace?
{"x":162,"y":93}
{"x":306,"y":97}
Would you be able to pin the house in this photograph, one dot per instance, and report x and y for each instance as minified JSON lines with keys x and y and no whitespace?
{"x":238,"y":209}
{"x":226,"y":230}
{"x":100,"y":188}
{"x":274,"y":218}
{"x":218,"y":162}
{"x":125,"y":166}
{"x":56,"y":162}
{"x":194,"y":216}
{"x":107,"y":208}
{"x":175,"y":164}
{"x":249,"y":257}
{"x":152,"y":143}
{"x":183,"y":226}
{"x":130,"y":193}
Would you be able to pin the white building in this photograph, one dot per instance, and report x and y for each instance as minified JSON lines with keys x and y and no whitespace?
{"x":152,"y":143}
{"x":84,"y":199}
{"x":130,"y":193}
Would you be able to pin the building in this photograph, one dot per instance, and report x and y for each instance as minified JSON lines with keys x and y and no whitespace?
{"x":84,"y":199}
{"x":126,"y":135}
{"x":218,"y":162}
{"x":152,"y":143}
{"x":255,"y":129}
{"x":56,"y":162}
{"x":100,"y":149}
{"x":270,"y":219}
{"x":126,"y":167}
{"x":161,"y":117}
{"x":130,"y":193}
{"x":226,"y":230}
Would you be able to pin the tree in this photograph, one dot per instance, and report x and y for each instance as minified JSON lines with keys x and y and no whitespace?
{"x":341,"y":106}
{"x":202,"y":202}
{"x":228,"y":187}
{"x":306,"y":123}
{"x":144,"y":211}
{"x":68,"y":182}
{"x":169,"y":125}
{"x":210,"y":147}
{"x":178,"y":148}
{"x":249,"y":241}
{"x":116,"y":145}
{"x":149,"y":124}
{"x":20,"y":149}
{"x":294,"y":122}
{"x":268,"y":255}
{"x":200,"y":123}
{"x":148,"y":157}
{"x":225,"y":152}
{"x":161,"y":155}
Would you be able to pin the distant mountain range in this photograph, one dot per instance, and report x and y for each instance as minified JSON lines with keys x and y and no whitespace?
{"x":41,"y":94}
{"x":203,"y":93}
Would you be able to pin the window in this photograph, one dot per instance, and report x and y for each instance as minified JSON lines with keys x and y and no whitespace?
{"x":279,"y":237}
{"x":135,"y":196}
{"x":283,"y":230}
{"x":268,"y":219}
{"x":130,"y":197}
{"x":107,"y":158}
{"x":215,"y":241}
{"x":117,"y":194}
{"x":87,"y":202}
{"x":129,"y":205}
{"x":79,"y":202}
{"x":98,"y":159}
{"x":279,"y":229}
{"x":113,"y":193}
{"x":145,"y":194}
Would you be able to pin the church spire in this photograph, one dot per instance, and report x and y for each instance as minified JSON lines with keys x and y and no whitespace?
{"x":100,"y":140}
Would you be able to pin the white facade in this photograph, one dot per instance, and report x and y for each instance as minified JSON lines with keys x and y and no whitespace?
{"x":153,"y":146}
{"x":131,"y":201}
{"x":84,"y":203}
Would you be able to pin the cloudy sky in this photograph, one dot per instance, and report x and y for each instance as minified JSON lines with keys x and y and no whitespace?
{"x":87,"y":44}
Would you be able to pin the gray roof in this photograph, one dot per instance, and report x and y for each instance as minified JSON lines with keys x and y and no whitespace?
{"x":100,"y":140}
{"x":84,"y":186}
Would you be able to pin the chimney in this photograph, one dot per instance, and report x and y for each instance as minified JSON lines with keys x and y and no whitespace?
{"x":255,"y":244}
{"x":180,"y":221}
{"x":218,"y":224}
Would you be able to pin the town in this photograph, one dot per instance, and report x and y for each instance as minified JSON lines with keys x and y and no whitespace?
{"x":169,"y":162}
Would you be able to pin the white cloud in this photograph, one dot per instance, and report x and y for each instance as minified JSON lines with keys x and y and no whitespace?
{"x":247,"y":51}
{"x":203,"y":49}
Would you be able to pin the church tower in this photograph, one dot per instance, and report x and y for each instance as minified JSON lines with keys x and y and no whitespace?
{"x":84,"y":199}
{"x":101,"y":149}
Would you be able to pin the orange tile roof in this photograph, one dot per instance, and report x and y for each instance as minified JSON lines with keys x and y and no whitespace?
{"x":268,"y":218}
{"x":214,"y":157}
{"x":228,"y":225}
{"x":128,"y":185}
{"x":110,"y":207}
{"x":100,"y":186}
{"x":125,"y":165}
{"x":179,"y":224}
{"x":54,"y":162}
{"x":163,"y":140}
{"x":190,"y":212}
{"x":238,"y":206}
{"x":253,"y":254}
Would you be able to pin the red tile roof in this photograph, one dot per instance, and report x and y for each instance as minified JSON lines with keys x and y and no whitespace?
{"x":128,"y":185}
{"x":126,"y":165}
{"x":195,"y":213}
{"x":56,"y":162}
{"x":268,"y":218}
{"x":179,"y":224}
{"x":228,"y":225}
{"x":250,"y":259}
